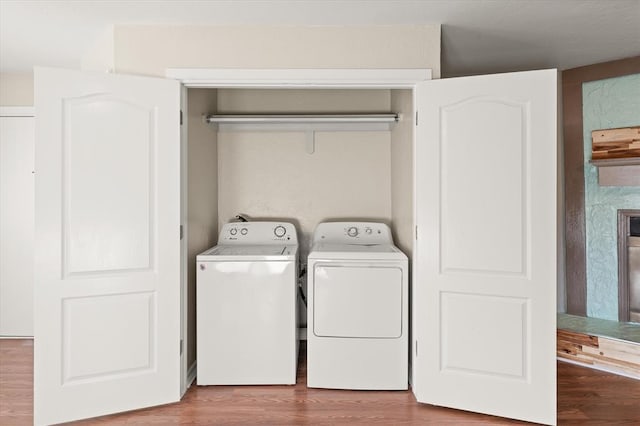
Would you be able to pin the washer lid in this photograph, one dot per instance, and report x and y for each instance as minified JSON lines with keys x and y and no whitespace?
{"x":249,"y":252}
{"x":356,"y":251}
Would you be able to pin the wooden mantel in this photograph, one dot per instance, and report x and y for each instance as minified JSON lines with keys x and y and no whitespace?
{"x":615,"y":143}
{"x":616,"y":153}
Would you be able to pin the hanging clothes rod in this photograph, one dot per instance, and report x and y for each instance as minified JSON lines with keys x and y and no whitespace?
{"x":300,"y":118}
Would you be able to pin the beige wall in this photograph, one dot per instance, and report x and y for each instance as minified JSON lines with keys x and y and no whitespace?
{"x":202,"y":204}
{"x":402,"y":170}
{"x":270,"y":175}
{"x":150,"y":50}
{"x":302,"y":101}
{"x":16,"y":89}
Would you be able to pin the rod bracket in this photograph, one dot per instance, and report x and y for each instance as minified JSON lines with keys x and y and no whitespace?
{"x":310,"y":143}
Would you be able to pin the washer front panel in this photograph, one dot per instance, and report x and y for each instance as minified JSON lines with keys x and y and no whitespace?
{"x":247,"y":322}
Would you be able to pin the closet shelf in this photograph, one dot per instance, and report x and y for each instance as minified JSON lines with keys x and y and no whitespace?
{"x":300,"y":118}
{"x":306,"y":123}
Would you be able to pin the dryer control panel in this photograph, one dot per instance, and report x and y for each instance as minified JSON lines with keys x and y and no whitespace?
{"x":258,"y":233}
{"x":365,"y":233}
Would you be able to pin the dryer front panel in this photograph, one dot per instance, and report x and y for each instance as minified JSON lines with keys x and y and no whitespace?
{"x":357,"y":301}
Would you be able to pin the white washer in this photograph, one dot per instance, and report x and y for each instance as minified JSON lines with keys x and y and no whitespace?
{"x":246,"y":306}
{"x":357,"y":325}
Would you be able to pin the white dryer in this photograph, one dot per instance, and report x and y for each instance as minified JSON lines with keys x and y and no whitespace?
{"x":246,"y":315}
{"x":357,"y":324}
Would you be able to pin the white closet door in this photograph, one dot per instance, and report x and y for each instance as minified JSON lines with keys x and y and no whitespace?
{"x":16,"y":226}
{"x":107,"y":262}
{"x":485,"y":260}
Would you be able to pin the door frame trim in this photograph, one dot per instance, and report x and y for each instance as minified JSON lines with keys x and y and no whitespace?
{"x":299,"y":78}
{"x":277,"y":78}
{"x":17,"y":111}
{"x":574,"y":208}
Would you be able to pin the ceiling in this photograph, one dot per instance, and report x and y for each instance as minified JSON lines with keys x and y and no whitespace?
{"x":478,"y":36}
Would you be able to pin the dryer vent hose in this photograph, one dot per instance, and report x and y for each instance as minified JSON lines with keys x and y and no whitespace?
{"x":302,"y":296}
{"x":301,"y":278}
{"x":242,"y":218}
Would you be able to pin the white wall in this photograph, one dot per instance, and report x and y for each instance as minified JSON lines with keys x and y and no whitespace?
{"x":150,"y":50}
{"x":16,"y":89}
{"x":16,"y":225}
{"x":101,"y":55}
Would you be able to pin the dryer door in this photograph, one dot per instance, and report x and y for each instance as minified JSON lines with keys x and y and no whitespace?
{"x":357,"y":301}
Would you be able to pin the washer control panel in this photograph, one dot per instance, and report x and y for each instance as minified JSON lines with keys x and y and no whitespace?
{"x":353,"y":233}
{"x":258,"y":233}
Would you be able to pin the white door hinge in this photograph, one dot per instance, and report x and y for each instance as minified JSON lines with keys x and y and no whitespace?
{"x":416,"y":118}
{"x":181,"y":346}
{"x":181,"y":117}
{"x":416,"y":232}
{"x":181,"y":232}
{"x":416,"y":348}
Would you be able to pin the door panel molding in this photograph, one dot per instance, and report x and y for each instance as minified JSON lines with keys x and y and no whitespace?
{"x":82,"y":347}
{"x":473,"y":349}
{"x":490,"y":222}
{"x":102,"y":172}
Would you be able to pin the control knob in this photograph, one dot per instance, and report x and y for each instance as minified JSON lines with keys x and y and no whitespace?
{"x":352,"y":232}
{"x":279,"y":231}
{"x":233,"y":231}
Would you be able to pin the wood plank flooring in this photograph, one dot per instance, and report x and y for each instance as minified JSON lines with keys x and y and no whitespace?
{"x":585,"y":397}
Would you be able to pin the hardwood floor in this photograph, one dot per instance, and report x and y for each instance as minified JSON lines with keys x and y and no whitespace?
{"x":585,"y":397}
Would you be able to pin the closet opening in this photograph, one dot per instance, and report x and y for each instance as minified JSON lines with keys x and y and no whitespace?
{"x":355,"y":171}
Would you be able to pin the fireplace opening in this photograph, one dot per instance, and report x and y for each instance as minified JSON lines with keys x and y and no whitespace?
{"x":629,"y":265}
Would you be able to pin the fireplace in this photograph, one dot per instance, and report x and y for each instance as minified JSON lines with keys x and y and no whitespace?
{"x":629,"y":265}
